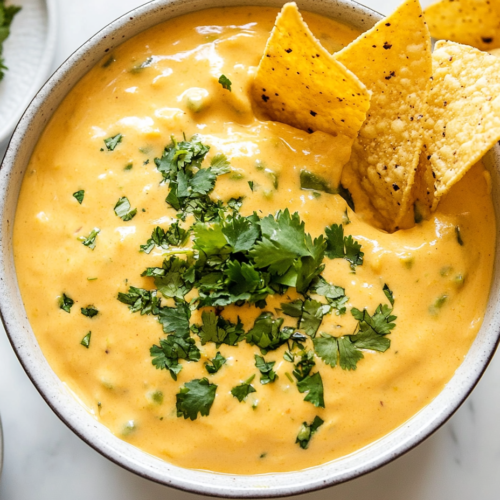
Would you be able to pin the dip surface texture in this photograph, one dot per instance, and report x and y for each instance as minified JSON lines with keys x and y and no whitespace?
{"x":165,"y":82}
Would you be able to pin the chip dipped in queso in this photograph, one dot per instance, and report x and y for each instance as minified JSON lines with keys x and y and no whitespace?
{"x":247,"y":249}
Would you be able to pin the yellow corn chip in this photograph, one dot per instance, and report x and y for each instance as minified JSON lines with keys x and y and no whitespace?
{"x":463,"y":119}
{"x":393,"y":60}
{"x":472,"y":22}
{"x":299,"y":83}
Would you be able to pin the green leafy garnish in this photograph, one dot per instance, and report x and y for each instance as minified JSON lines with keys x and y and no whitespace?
{"x":307,"y":430}
{"x":267,"y":333}
{"x":218,"y":330}
{"x":7,"y":13}
{"x":166,"y":356}
{"x":195,"y":397}
{"x":240,"y":392}
{"x":78,"y":195}
{"x":220,"y":165}
{"x":112,"y":142}
{"x":174,"y":236}
{"x":304,"y":366}
{"x":86,"y":340}
{"x":313,"y":385}
{"x":268,"y":375}
{"x":215,"y":364}
{"x":66,"y":303}
{"x":89,"y":241}
{"x":138,"y":299}
{"x":225,"y":82}
{"x":89,"y":311}
{"x":123,"y":209}
{"x":175,"y":319}
{"x":313,"y":182}
{"x":170,"y":279}
{"x":388,"y":293}
{"x":343,"y":247}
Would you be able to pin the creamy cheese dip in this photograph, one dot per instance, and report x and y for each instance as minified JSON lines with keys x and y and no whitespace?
{"x":164,"y":82}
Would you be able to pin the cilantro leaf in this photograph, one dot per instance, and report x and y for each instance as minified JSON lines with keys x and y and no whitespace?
{"x":169,"y":279}
{"x":79,"y":195}
{"x":313,"y":385}
{"x":66,"y":303}
{"x":138,"y":299}
{"x":195,"y":397}
{"x":112,"y":142}
{"x":225,"y":82}
{"x":310,"y":313}
{"x":267,"y":333}
{"x":89,"y":241}
{"x":240,"y":392}
{"x":174,"y":236}
{"x":208,"y":237}
{"x":219,"y":164}
{"x":218,"y":330}
{"x":283,"y":240}
{"x":244,"y":278}
{"x":175,"y":319}
{"x":123,"y":209}
{"x":215,"y":364}
{"x":166,"y":356}
{"x":89,"y":311}
{"x":327,"y":349}
{"x":86,"y":340}
{"x":388,"y":293}
{"x":343,"y":247}
{"x":306,"y":432}
{"x":349,"y":355}
{"x":309,"y":267}
{"x":268,"y":375}
{"x":335,"y":295}
{"x":241,"y":232}
{"x":203,"y":181}
{"x":304,"y":366}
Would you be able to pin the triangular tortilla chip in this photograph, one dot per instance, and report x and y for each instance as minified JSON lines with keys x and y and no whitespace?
{"x":463,"y":119}
{"x":471,"y":22}
{"x":393,"y":60}
{"x":299,"y":83}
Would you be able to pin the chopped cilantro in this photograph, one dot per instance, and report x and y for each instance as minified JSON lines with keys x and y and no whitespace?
{"x":388,"y":293}
{"x":174,"y":236}
{"x":240,"y":392}
{"x":225,"y":82}
{"x":138,"y":299}
{"x":335,"y":295}
{"x":313,"y":385}
{"x":112,"y":142}
{"x":267,"y":333}
{"x":7,"y":13}
{"x":78,"y":195}
{"x":327,"y":349}
{"x":86,"y":340}
{"x":195,"y":397}
{"x":304,"y":365}
{"x":166,"y":356}
{"x":218,"y":330}
{"x":123,"y":209}
{"x":251,"y":185}
{"x":65,"y":303}
{"x":89,"y":241}
{"x":89,"y":311}
{"x":343,"y":247}
{"x":310,"y":313}
{"x":266,"y":369}
{"x":307,"y":430}
{"x":220,"y":165}
{"x":171,"y":278}
{"x":175,"y":319}
{"x":215,"y":364}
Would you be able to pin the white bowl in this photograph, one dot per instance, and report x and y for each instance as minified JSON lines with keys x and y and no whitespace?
{"x":69,"y":409}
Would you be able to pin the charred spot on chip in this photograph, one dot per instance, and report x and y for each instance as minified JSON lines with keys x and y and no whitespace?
{"x":288,"y":51}
{"x":310,"y":130}
{"x":387,"y":24}
{"x":391,"y":74}
{"x":387,"y":45}
{"x":395,"y":187}
{"x":313,"y":113}
{"x":265,"y":98}
{"x":487,"y":39}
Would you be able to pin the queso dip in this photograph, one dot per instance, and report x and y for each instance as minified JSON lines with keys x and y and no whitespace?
{"x":93,"y":195}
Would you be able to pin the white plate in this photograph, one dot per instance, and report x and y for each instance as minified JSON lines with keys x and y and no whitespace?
{"x":28,"y":53}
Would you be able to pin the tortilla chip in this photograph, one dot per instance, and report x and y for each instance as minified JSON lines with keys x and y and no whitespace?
{"x":393,"y":60}
{"x":463,"y":119}
{"x":495,"y":52}
{"x":471,"y":22}
{"x":299,"y":83}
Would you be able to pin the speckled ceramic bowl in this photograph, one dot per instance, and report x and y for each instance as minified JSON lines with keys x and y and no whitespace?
{"x":69,"y":409}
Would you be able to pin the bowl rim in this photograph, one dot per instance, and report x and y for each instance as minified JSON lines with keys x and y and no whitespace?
{"x":60,"y":400}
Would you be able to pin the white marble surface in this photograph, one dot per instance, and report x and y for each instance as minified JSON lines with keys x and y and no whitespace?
{"x":45,"y":461}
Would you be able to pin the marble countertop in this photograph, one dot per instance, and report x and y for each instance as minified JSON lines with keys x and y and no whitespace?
{"x":44,"y":460}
